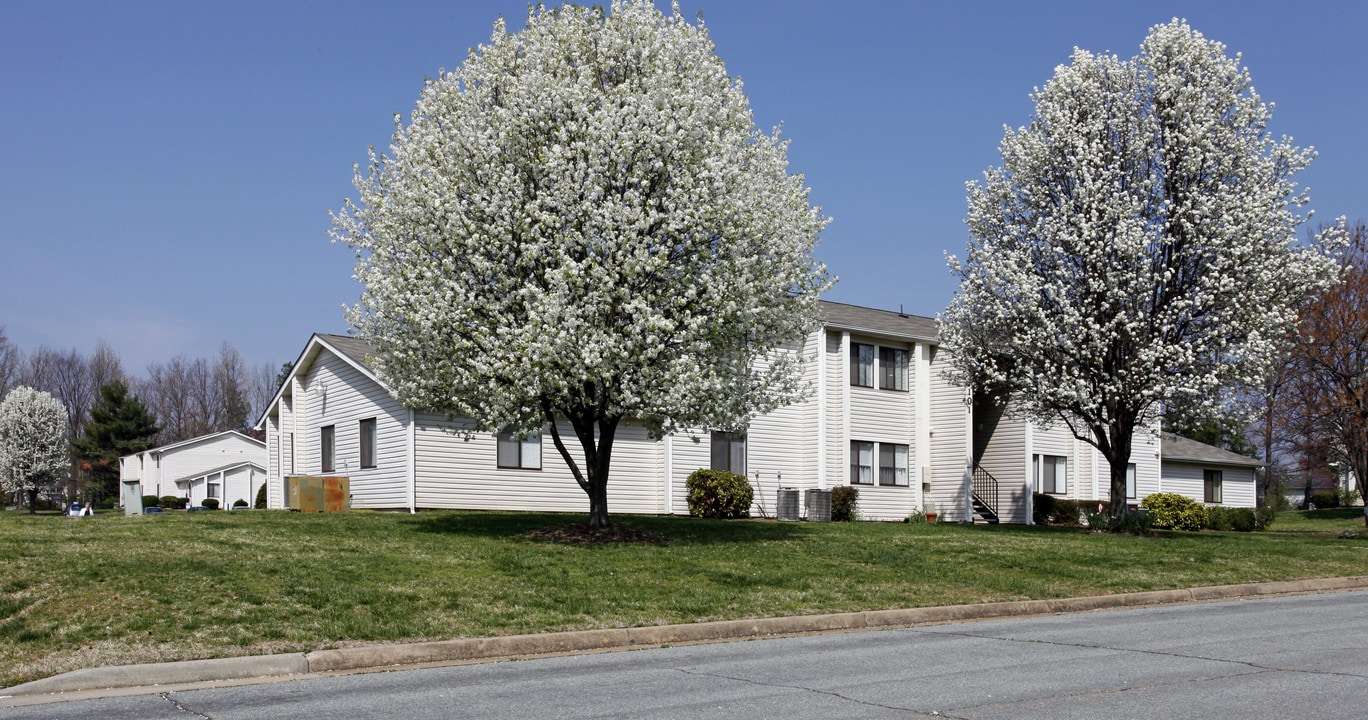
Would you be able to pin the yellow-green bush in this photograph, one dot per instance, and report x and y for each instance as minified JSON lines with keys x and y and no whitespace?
{"x":1174,"y":511}
{"x":719,"y":494}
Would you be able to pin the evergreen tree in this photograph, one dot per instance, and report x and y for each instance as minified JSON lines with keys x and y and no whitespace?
{"x":119,"y":425}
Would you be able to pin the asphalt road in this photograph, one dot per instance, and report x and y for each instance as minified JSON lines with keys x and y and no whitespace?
{"x":1288,"y":657}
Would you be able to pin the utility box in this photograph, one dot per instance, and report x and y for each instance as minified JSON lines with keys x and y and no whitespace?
{"x":131,"y":497}
{"x":818,"y":505}
{"x":313,"y":493}
{"x":786,"y":505}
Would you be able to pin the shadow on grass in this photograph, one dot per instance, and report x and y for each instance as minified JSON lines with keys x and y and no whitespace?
{"x":1340,"y":513}
{"x":680,"y":530}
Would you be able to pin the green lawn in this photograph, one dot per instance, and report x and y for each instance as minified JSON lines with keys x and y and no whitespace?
{"x":1321,"y":521}
{"x":109,"y":590}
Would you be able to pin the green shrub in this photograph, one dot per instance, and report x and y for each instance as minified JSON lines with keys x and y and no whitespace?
{"x":151,"y":501}
{"x":1174,"y":511}
{"x":211,"y":503}
{"x":719,"y":494}
{"x":261,"y":498}
{"x":845,"y":502}
{"x":1219,"y":518}
{"x":107,"y":503}
{"x":170,"y":502}
{"x":1138,"y":522}
{"x":1264,"y":516}
{"x":1050,"y":510}
{"x":240,"y":503}
{"x":1243,"y":519}
{"x":1323,"y":500}
{"x":916,"y":518}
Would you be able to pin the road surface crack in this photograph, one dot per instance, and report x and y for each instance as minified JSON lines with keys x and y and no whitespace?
{"x":1161,"y":653}
{"x":183,"y":708}
{"x":828,"y":693}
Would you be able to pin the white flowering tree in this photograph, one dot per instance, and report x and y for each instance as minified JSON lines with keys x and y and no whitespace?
{"x":33,"y":442}
{"x":1137,"y":246}
{"x":582,"y":224}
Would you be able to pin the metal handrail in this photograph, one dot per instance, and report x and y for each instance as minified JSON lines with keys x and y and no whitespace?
{"x":985,"y":489}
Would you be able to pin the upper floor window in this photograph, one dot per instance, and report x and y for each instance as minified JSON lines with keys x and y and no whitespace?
{"x":861,"y":365}
{"x":892,"y":368}
{"x":367,"y":428}
{"x":327,"y":443}
{"x":520,"y":452}
{"x":728,"y":452}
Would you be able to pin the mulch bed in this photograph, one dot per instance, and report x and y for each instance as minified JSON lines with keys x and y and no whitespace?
{"x":582,"y":533}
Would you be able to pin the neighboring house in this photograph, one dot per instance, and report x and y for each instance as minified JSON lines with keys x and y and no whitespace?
{"x":881,"y":417}
{"x":227,"y":466}
{"x":1207,"y":473}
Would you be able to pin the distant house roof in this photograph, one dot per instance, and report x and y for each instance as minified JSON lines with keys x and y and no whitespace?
{"x":1176,"y":448}
{"x":878,"y":322}
{"x":219,"y":469}
{"x":199,"y":439}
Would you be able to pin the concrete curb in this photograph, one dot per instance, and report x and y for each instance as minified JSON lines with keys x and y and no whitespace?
{"x":466,"y":649}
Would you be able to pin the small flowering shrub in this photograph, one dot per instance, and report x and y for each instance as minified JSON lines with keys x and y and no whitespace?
{"x":844,"y":503}
{"x":1174,"y":511}
{"x":719,"y":494}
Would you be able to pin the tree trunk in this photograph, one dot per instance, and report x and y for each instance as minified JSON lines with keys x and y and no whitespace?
{"x":597,"y":448}
{"x":33,"y":501}
{"x":1116,"y":447}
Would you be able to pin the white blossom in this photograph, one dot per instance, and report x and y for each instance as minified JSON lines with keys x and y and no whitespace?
{"x":1137,"y":246}
{"x":33,"y":441}
{"x":582,"y":222}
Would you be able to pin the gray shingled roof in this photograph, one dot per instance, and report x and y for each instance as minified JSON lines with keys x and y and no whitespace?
{"x":1176,"y":448}
{"x":354,"y":348}
{"x":879,"y":322}
{"x":838,"y":315}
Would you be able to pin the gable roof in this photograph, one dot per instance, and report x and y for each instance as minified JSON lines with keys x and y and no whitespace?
{"x":354,"y":349}
{"x":219,"y":469}
{"x":878,"y":322}
{"x":1176,"y":448}
{"x":195,"y":440}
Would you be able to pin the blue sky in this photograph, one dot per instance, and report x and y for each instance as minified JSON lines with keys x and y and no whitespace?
{"x":170,"y":165}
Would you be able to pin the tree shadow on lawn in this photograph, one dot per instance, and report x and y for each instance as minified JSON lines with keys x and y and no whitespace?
{"x":676,"y":530}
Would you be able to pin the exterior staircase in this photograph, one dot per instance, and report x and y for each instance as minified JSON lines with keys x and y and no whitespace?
{"x":985,"y":496}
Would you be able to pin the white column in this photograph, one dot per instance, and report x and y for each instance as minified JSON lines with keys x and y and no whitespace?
{"x":821,"y":408}
{"x":845,"y":400}
{"x":669,"y":474}
{"x":412,"y":468}
{"x":921,"y":416}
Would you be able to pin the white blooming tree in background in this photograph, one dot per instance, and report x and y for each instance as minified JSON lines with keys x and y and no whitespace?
{"x":1137,"y":246}
{"x":581,"y":223}
{"x":33,"y":442}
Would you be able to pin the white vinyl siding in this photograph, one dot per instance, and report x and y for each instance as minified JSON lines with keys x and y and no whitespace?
{"x":1237,"y":483}
{"x":334,"y":392}
{"x":455,"y":468}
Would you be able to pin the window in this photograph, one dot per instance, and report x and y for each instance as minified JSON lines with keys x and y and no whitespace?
{"x":368,"y":443}
{"x":212,"y":491}
{"x":892,"y":464}
{"x":728,"y":452}
{"x":861,"y":463}
{"x":1211,"y":486}
{"x":520,"y":452}
{"x":1052,"y":474}
{"x":892,"y":369}
{"x":862,"y":365}
{"x":1130,"y":480}
{"x":327,"y":435}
